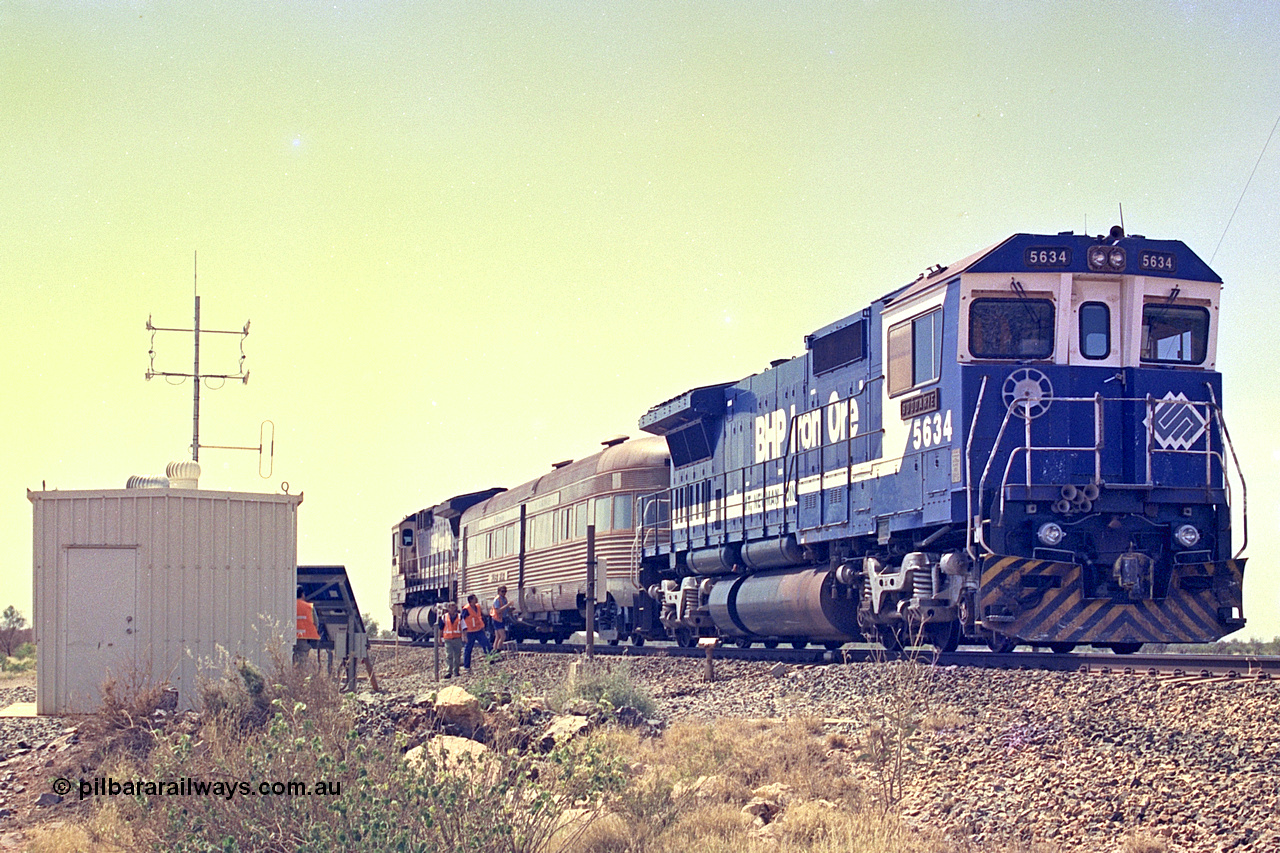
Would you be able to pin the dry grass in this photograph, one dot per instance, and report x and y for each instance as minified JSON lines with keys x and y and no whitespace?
{"x":1141,"y":842}
{"x":293,"y":726}
{"x":105,"y":832}
{"x":613,"y":792}
{"x":690,"y":787}
{"x":126,"y":722}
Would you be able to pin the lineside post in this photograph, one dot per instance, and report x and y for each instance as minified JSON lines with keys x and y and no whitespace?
{"x":710,"y":644}
{"x":591,"y":591}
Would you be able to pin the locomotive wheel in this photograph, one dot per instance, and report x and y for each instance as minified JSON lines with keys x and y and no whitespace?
{"x":889,"y":637}
{"x":1001,"y":644}
{"x":1061,"y":648}
{"x":770,"y":644}
{"x":799,"y":643}
{"x":637,"y":639}
{"x":544,"y":640}
{"x":743,"y":642}
{"x":559,"y":639}
{"x":685,"y":638}
{"x":613,"y":641}
{"x":832,"y":645}
{"x":1125,"y":648}
{"x":945,"y":636}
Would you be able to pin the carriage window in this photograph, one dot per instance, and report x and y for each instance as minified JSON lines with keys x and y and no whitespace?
{"x":1011,"y":328}
{"x":1174,"y":334}
{"x":603,"y":515}
{"x":915,"y":352}
{"x":622,"y":512}
{"x":1095,"y":330}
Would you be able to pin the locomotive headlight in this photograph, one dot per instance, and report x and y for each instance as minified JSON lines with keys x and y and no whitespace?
{"x":1051,"y":534}
{"x":1187,"y":536}
{"x":1097,"y":257}
{"x":1116,"y":259}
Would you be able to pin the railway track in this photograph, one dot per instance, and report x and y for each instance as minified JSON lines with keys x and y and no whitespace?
{"x":1189,"y":666}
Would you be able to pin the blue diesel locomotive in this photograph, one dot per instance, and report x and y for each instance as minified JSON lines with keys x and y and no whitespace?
{"x":1025,"y":446}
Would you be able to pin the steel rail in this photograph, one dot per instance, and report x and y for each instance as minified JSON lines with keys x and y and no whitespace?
{"x":1191,"y":665}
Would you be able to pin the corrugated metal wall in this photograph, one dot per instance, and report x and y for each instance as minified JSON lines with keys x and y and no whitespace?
{"x":164,"y":582}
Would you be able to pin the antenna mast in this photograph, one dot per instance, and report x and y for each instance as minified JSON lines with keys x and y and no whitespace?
{"x":195,"y":375}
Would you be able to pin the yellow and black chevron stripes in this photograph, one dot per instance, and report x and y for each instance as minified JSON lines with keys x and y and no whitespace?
{"x":1044,"y":601}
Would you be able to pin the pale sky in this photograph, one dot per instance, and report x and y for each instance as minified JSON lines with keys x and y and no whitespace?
{"x":475,"y":239}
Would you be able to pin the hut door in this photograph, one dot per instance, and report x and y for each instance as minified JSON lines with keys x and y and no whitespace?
{"x":101,"y":628}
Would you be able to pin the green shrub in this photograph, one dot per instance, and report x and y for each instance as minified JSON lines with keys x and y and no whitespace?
{"x":609,"y":685}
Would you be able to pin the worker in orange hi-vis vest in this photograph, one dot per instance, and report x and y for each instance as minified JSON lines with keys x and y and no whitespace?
{"x":308,"y":635}
{"x":451,"y":630}
{"x":473,"y":621}
{"x":499,"y":612}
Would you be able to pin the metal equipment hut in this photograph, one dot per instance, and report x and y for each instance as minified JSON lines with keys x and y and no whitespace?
{"x":157,"y":582}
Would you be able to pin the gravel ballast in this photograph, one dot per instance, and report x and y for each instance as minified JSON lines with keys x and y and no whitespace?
{"x":1070,"y":760}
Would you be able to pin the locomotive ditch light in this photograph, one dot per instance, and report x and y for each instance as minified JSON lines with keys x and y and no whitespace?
{"x":1187,"y":536}
{"x":1051,"y":534}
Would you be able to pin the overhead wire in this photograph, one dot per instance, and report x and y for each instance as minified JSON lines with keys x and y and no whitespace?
{"x":1246,"y":189}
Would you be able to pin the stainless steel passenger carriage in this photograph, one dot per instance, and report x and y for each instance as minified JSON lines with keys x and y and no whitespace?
{"x":533,"y":540}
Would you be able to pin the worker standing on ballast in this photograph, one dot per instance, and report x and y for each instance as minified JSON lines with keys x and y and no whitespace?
{"x":473,"y":621}
{"x":499,"y":612}
{"x":451,"y":632}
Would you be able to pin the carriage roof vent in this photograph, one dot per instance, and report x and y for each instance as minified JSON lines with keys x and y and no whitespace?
{"x":559,"y":465}
{"x":615,"y":441}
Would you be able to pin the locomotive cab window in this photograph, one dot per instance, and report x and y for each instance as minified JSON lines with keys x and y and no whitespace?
{"x":1174,"y":334}
{"x":1095,"y":330}
{"x":915,"y":352}
{"x":1020,"y":328}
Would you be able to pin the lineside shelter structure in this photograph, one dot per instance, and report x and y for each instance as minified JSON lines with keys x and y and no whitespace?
{"x":158,"y":582}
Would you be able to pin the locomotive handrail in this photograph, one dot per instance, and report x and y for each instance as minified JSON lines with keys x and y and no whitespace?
{"x":982,"y":483}
{"x":1028,"y":448}
{"x":1244,"y":489}
{"x":658,"y":526}
{"x":968,"y":475}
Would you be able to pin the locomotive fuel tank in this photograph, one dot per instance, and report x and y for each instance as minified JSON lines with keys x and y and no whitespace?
{"x":801,"y":603}
{"x":420,"y":620}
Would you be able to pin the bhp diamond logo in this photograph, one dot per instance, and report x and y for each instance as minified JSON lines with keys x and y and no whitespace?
{"x":1176,"y":422}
